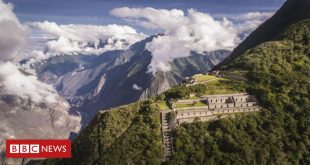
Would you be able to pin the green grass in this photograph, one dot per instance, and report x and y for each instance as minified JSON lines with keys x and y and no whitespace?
{"x":201,"y":77}
{"x":194,"y":97}
{"x":217,"y":86}
{"x":224,"y":86}
{"x":235,"y":72}
{"x":162,"y":105}
{"x":196,"y":104}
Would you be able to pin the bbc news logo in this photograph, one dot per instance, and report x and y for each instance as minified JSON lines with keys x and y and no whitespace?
{"x":38,"y":148}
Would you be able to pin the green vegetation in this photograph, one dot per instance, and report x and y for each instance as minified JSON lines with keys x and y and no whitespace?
{"x":162,"y":105}
{"x":219,"y":86}
{"x":187,"y":105}
{"x":279,"y":75}
{"x":126,"y":135}
{"x":194,"y":97}
{"x":178,"y":92}
{"x":290,"y":13}
{"x":202,"y":77}
{"x":225,"y":86}
{"x":132,"y":134}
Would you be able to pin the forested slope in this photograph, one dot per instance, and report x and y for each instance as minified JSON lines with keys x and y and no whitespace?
{"x":291,"y":12}
{"x":279,"y":75}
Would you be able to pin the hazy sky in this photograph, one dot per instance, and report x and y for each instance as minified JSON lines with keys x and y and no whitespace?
{"x":97,"y":11}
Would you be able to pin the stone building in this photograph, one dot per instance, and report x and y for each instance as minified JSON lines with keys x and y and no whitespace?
{"x":188,"y":116}
{"x":222,"y":105}
{"x":231,"y":100}
{"x":244,"y":100}
{"x":218,"y":106}
{"x":220,"y":101}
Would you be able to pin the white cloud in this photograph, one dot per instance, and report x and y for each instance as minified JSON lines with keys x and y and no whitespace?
{"x":12,"y":33}
{"x":14,"y":82}
{"x":136,"y":87}
{"x":151,"y":18}
{"x":34,"y":109}
{"x":87,"y":39}
{"x":183,"y":33}
{"x":262,"y":16}
{"x":246,"y":23}
{"x":190,"y":31}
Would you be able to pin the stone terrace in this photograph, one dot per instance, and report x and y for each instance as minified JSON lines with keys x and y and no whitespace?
{"x":216,"y":106}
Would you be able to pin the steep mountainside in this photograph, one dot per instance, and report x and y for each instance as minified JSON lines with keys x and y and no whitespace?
{"x":130,"y":134}
{"x":291,"y":12}
{"x":278,"y":73}
{"x":90,"y":83}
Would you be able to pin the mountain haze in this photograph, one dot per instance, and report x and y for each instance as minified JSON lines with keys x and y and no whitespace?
{"x":90,"y":83}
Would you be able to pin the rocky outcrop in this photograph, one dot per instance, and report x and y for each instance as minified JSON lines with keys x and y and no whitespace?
{"x":159,"y":83}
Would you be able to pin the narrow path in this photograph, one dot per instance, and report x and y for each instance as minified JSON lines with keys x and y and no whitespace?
{"x":167,"y":137}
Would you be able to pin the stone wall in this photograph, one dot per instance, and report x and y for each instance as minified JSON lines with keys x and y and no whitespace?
{"x":217,"y":99}
{"x":216,"y":105}
{"x":245,"y":104}
{"x":193,"y":108}
{"x":231,"y":100}
{"x":204,"y":115}
{"x":189,"y":101}
{"x":223,"y":105}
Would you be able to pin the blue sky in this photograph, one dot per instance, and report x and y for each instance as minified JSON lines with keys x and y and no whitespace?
{"x":97,"y":11}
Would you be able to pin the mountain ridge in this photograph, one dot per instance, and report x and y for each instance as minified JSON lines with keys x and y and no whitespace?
{"x":291,"y":12}
{"x":90,"y":83}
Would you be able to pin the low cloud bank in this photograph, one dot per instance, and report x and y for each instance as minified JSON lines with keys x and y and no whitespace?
{"x":15,"y":82}
{"x":87,"y":39}
{"x":183,"y":32}
{"x":28,"y":108}
{"x":189,"y":31}
{"x":12,"y":80}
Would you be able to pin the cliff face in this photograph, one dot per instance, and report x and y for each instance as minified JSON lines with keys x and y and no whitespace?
{"x":90,"y":83}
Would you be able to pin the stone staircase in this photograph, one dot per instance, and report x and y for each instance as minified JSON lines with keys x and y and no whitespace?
{"x":167,"y":137}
